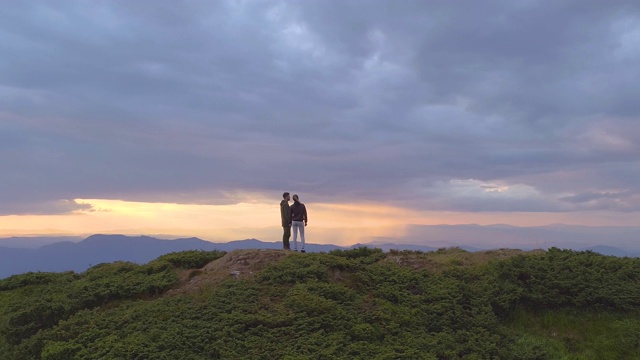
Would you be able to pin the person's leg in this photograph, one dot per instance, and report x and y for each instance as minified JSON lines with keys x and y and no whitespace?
{"x":302,"y":234}
{"x":286,"y":235}
{"x":295,"y":235}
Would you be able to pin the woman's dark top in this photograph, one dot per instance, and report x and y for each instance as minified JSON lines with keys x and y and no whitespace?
{"x":298,"y":212}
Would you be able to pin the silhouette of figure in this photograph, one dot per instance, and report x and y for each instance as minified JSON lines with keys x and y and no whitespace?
{"x":298,"y":216}
{"x":285,"y":214}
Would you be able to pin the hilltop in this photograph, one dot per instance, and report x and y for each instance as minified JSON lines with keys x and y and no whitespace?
{"x":50,"y":254}
{"x":242,"y":264}
{"x":346,"y":304}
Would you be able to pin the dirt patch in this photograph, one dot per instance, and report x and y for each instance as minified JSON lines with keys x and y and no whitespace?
{"x":443,"y":259}
{"x":238,"y":264}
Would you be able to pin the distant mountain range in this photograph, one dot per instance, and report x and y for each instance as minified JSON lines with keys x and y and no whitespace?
{"x":34,"y":242}
{"x":625,"y":238}
{"x":20,"y":255}
{"x":96,"y":249}
{"x":51,"y":254}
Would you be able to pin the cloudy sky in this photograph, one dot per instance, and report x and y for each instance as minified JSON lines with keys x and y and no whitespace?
{"x":192,"y":117}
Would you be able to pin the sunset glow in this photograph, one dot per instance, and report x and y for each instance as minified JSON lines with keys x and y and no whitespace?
{"x":340,"y":224}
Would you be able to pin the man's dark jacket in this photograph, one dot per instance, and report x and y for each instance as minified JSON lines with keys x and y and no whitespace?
{"x":285,"y":213}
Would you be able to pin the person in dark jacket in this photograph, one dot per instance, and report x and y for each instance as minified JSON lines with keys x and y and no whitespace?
{"x":285,"y":215}
{"x":298,"y":217}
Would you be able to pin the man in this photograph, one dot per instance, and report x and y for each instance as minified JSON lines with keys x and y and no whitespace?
{"x":285,"y":215}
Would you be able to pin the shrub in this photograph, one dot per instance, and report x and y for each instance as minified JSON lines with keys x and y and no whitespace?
{"x":191,"y":259}
{"x":369,"y":255}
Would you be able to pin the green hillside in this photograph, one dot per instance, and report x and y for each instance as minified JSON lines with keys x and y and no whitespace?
{"x":356,"y":304}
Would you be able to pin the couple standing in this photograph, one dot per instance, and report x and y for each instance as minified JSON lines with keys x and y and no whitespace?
{"x":295,"y":215}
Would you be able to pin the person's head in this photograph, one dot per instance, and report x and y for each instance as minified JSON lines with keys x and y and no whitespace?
{"x":286,"y":196}
{"x":296,"y":198}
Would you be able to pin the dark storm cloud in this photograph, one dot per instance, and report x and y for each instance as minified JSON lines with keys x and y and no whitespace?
{"x":478,"y":106}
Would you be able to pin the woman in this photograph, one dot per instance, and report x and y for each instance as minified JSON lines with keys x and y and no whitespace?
{"x":298,"y":216}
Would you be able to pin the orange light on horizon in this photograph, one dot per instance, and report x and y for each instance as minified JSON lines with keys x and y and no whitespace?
{"x":328,"y":223}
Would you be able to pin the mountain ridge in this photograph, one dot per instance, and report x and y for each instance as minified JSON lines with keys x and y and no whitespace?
{"x":101,"y":248}
{"x":105,"y":248}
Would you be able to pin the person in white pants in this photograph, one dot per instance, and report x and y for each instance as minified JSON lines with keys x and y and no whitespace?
{"x":299,"y":220}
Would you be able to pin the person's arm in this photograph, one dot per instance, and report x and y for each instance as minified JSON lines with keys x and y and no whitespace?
{"x":304,"y":214}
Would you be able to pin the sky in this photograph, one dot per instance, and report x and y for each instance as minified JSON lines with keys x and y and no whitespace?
{"x":192,"y":117}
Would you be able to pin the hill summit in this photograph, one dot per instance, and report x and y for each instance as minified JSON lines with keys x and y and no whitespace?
{"x":345,"y":304}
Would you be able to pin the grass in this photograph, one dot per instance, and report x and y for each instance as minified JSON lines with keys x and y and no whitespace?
{"x":572,"y":335}
{"x":447,"y":258}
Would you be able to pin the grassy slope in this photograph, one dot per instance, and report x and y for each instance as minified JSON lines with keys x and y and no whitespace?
{"x":448,"y":304}
{"x":578,"y":335}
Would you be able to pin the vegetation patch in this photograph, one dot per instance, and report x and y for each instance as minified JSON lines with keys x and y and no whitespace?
{"x":353,"y":304}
